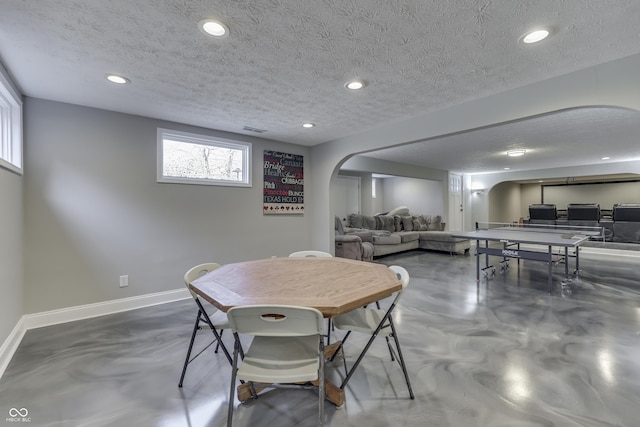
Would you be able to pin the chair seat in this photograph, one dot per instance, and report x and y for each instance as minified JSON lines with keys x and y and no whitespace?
{"x":218,"y":319}
{"x":364,"y":320}
{"x":280,"y":359}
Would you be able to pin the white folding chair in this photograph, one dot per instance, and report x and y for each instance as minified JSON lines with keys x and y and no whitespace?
{"x":374,"y":321}
{"x":287,"y":350}
{"x":316,"y":254}
{"x":310,"y":254}
{"x":216,"y":322}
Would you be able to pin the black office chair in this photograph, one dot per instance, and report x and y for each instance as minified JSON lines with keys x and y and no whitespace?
{"x":626,"y":222}
{"x":583,"y":214}
{"x":542,"y":214}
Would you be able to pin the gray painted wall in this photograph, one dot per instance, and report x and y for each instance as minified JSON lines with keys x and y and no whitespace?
{"x":606,"y":194}
{"x":94,"y":211}
{"x":504,"y":202}
{"x":11,"y":303}
{"x":421,"y":196}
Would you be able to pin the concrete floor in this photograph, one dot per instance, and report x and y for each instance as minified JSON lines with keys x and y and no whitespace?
{"x":504,"y":353}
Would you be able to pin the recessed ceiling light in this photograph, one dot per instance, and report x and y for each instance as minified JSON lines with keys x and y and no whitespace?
{"x":354,"y":85}
{"x":308,"y":125}
{"x":516,"y":153}
{"x":535,"y":36}
{"x":606,"y":158}
{"x":507,"y":169}
{"x":114,"y":78}
{"x":214,"y":28}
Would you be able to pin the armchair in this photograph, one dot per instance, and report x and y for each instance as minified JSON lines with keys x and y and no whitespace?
{"x":358,"y":246}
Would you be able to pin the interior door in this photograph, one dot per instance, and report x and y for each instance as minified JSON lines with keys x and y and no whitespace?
{"x":455,"y":203}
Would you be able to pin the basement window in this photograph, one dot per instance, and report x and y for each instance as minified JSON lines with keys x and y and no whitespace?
{"x":185,"y":158}
{"x":10,"y":125}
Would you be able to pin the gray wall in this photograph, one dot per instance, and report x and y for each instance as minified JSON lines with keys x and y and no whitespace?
{"x":421,"y":196}
{"x":606,"y":194}
{"x":504,"y":202}
{"x":11,"y":303}
{"x":94,"y":211}
{"x":433,"y":185}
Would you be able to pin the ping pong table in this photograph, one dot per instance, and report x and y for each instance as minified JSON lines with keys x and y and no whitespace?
{"x":539,"y":240}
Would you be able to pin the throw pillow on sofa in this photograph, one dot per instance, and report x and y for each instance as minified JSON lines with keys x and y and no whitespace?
{"x":400,"y":210}
{"x":407,"y":222}
{"x":435,"y":223}
{"x":397,"y":222}
{"x":385,"y":222}
{"x":420,"y":223}
{"x":362,"y":221}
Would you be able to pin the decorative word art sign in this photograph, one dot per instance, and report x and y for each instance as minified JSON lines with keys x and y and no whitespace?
{"x":283,"y":184}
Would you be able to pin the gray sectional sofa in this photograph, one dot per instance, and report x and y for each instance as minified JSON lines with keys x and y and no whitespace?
{"x":400,"y":231}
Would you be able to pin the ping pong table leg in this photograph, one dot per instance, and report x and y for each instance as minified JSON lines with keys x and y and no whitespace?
{"x":478,"y":262}
{"x":550,"y":264}
{"x":566,"y":262}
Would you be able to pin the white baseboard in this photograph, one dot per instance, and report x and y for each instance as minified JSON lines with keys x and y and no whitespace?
{"x":70,"y":314}
{"x":11,"y":344}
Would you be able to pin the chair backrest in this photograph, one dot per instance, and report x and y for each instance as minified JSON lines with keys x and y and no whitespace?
{"x":310,"y":254}
{"x":197,"y":271}
{"x":546,"y":212}
{"x":583,"y":212}
{"x":626,"y":212}
{"x":339,"y":228}
{"x":276,"y":320}
{"x":403,"y":275}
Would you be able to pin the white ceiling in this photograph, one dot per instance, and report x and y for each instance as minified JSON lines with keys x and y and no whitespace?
{"x":285,"y":62}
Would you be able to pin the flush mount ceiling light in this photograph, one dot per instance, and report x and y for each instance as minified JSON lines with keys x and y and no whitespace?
{"x":516,"y":153}
{"x":214,"y":28}
{"x":535,"y":36}
{"x":354,"y":85}
{"x":308,"y":125}
{"x":114,"y":78}
{"x":606,"y":158}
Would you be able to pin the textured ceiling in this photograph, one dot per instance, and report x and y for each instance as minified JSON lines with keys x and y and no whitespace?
{"x":551,"y":141}
{"x":286,"y":61}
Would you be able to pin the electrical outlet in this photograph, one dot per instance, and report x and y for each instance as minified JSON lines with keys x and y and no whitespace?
{"x":124,"y":281}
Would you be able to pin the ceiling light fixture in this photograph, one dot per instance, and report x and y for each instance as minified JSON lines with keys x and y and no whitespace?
{"x":354,"y":85}
{"x":308,"y":125}
{"x":214,"y":28}
{"x":516,"y":153}
{"x":606,"y":158}
{"x":114,"y":78}
{"x":535,"y":36}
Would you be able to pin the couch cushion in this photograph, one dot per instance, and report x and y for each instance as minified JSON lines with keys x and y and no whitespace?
{"x":440,"y":236}
{"x":408,"y":236}
{"x":362,"y":221}
{"x":391,"y":239}
{"x":385,"y":222}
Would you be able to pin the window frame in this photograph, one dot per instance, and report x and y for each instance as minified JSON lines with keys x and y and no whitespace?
{"x":186,"y":137}
{"x":11,"y":144}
